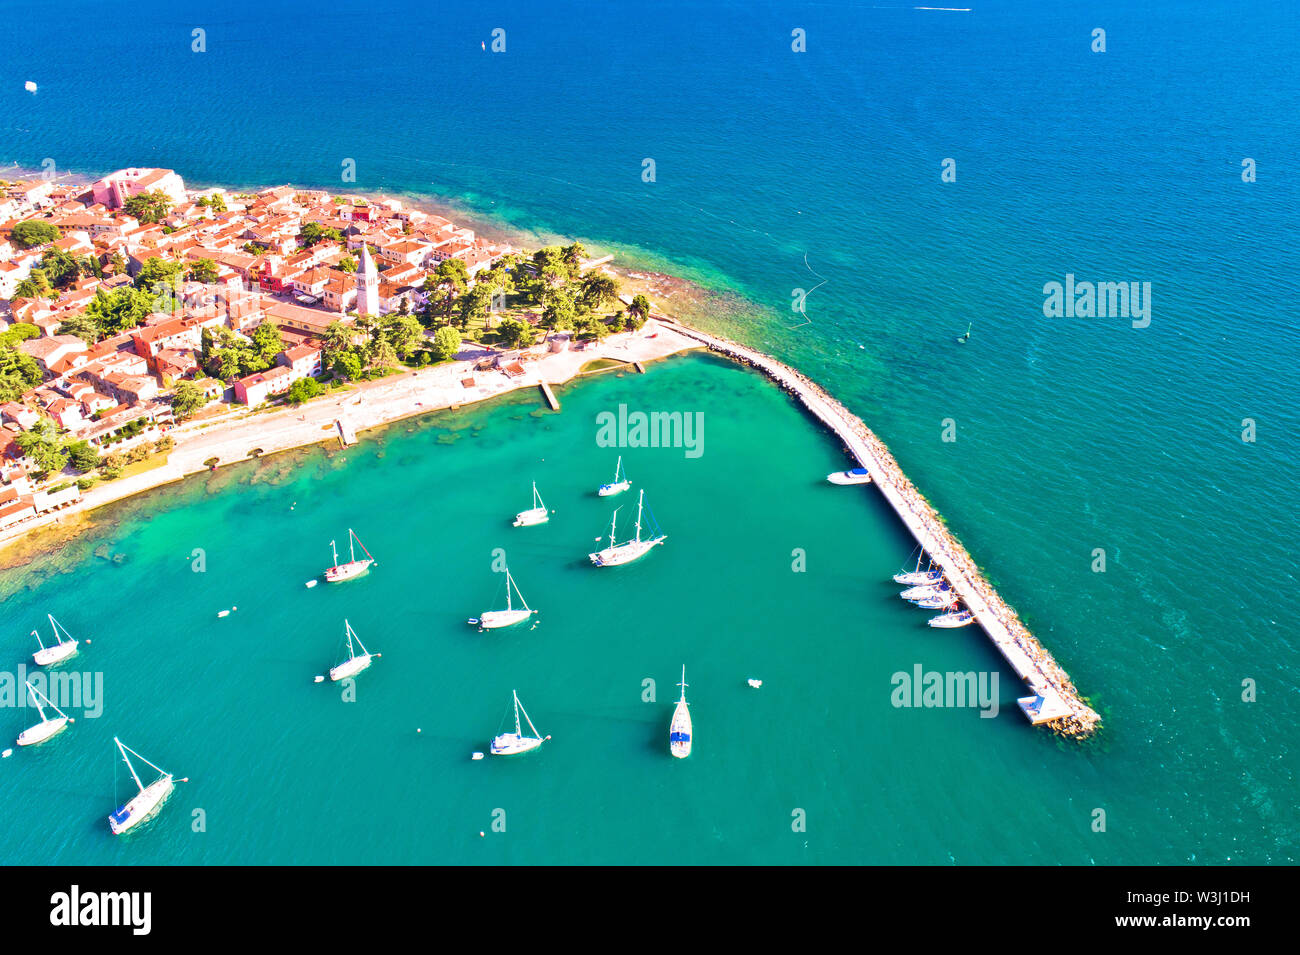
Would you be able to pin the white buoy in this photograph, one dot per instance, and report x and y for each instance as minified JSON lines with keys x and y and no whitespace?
{"x":418,"y":730}
{"x":29,"y":86}
{"x":476,"y":756}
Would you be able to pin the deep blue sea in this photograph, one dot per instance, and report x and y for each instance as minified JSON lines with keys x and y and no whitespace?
{"x":775,"y":171}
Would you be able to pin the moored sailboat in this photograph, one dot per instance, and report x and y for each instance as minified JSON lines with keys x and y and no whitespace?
{"x":64,"y":648}
{"x":936,"y":601}
{"x":619,"y":484}
{"x":512,"y":744}
{"x":495,"y":619}
{"x":46,"y":727}
{"x":925,"y":590}
{"x":534,"y":515}
{"x":931,"y":575}
{"x":353,"y":568}
{"x":144,"y":803}
{"x":630,"y":550}
{"x":679,"y":732}
{"x":956,"y":618}
{"x":356,"y":662}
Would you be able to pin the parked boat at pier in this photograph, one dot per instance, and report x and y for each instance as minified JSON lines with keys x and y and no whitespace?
{"x":925,"y":590}
{"x":931,"y":575}
{"x":852,"y":476}
{"x":957,"y":618}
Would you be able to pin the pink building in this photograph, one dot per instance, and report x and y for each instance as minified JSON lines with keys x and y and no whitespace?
{"x":114,"y":189}
{"x":252,"y":390}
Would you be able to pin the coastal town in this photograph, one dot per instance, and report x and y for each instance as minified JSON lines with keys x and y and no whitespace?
{"x":142,"y":319}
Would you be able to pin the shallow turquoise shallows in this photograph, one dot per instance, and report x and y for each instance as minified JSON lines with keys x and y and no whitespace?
{"x":774,"y":171}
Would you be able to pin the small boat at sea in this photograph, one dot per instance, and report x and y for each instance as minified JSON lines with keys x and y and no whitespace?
{"x":144,"y":803}
{"x":963,"y":339}
{"x":852,"y":476}
{"x":356,"y":662}
{"x":756,"y":684}
{"x":957,"y":618}
{"x":925,"y":590}
{"x":629,"y":550}
{"x":512,"y":744}
{"x":534,"y":515}
{"x":353,"y":568}
{"x":495,"y":619}
{"x":619,"y":484}
{"x":46,"y":727}
{"x":931,"y":575}
{"x":57,"y":652}
{"x":679,"y":732}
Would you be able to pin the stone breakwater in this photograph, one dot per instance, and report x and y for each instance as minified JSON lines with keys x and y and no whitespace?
{"x":1055,"y":702}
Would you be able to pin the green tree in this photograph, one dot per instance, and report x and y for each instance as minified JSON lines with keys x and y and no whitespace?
{"x":382,"y":354}
{"x":217,"y":202}
{"x":452,"y":278}
{"x":34,"y":232}
{"x":573,"y":256}
{"x":313,"y":233}
{"x":60,"y":267}
{"x":347,"y":264}
{"x":82,"y":456}
{"x":638,"y":311}
{"x":474,"y":304}
{"x":187,"y":399}
{"x":41,"y":445}
{"x":513,"y":333}
{"x":18,"y":373}
{"x":304,"y":389}
{"x":598,"y":290}
{"x":148,"y":206}
{"x":337,"y":339}
{"x":158,"y":273}
{"x":347,"y":365}
{"x":202,"y":270}
{"x":446,"y":343}
{"x":559,"y":312}
{"x":267,"y":343}
{"x":34,"y":286}
{"x":404,"y":332}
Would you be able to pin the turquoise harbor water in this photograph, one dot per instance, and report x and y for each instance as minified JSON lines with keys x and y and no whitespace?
{"x":1073,"y":434}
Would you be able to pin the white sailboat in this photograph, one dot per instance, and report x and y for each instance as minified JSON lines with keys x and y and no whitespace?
{"x":931,"y":575}
{"x":957,"y":618}
{"x":58,"y":652}
{"x":619,"y":484}
{"x":679,"y":732}
{"x":495,"y":619}
{"x":630,"y":550}
{"x":147,"y":801}
{"x":512,"y":744}
{"x":356,"y":662}
{"x":353,"y":568}
{"x":852,"y":476}
{"x":46,"y":727}
{"x":534,"y":515}
{"x":937,"y":601}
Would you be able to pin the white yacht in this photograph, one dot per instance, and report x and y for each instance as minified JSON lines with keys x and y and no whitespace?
{"x":536,"y":514}
{"x":495,"y":619}
{"x":57,"y":652}
{"x":512,"y":744}
{"x":356,"y":662}
{"x":144,"y":803}
{"x":679,"y":732}
{"x":47,"y":727}
{"x":629,"y":550}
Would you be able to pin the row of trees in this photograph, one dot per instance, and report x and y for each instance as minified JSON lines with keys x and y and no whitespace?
{"x":227,"y":355}
{"x":51,"y":454}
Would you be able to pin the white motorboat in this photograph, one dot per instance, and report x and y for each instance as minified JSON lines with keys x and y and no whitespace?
{"x":852,"y":476}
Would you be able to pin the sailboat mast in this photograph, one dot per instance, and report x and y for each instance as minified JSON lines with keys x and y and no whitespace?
{"x":639,"y":502}
{"x":352,"y":549}
{"x":335,"y":551}
{"x":36,"y":697}
{"x":613,"y":525}
{"x":347,"y":627}
{"x":518,"y":729}
{"x":509,"y":606}
{"x":127,"y":759}
{"x":683,"y":683}
{"x":618,"y":468}
{"x":39,"y":642}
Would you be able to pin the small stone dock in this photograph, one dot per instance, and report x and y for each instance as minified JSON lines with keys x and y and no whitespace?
{"x":1052,"y":700}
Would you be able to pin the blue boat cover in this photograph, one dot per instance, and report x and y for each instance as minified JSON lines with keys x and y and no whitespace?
{"x":680,"y":737}
{"x":120,"y":814}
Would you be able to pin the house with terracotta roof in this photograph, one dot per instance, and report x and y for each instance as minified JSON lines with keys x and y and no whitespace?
{"x":254,"y":389}
{"x":304,"y":359}
{"x":48,"y":350}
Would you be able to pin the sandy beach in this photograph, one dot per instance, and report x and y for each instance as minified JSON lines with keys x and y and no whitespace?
{"x":232,"y":437}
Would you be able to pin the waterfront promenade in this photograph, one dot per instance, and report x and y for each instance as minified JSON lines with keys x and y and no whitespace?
{"x":1053,"y":699}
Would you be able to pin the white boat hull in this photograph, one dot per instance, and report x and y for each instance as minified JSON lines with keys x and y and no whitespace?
{"x":948,"y":621}
{"x":55,"y":654}
{"x":623,"y":553}
{"x":925,"y":590}
{"x":351,"y":667}
{"x":536,"y":515}
{"x":609,"y":490}
{"x":916,"y":578}
{"x":679,"y":735}
{"x":855,"y":476}
{"x":496,"y":619}
{"x":146,"y":803}
{"x":512,"y":744}
{"x":935,"y":603}
{"x":348,"y":571}
{"x":42,"y":731}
